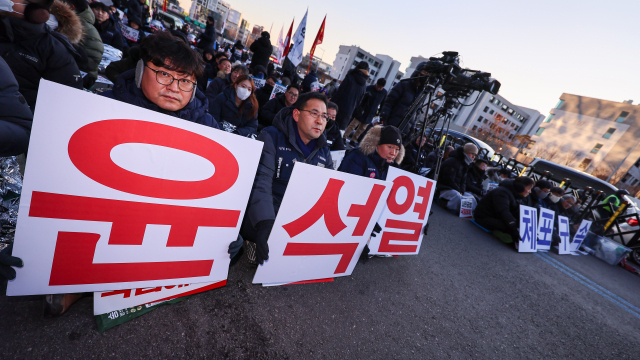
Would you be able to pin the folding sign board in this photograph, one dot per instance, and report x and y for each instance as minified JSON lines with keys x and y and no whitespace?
{"x":120,"y":197}
{"x":405,"y":215}
{"x":528,"y":229}
{"x":578,"y":238}
{"x":466,"y":206}
{"x":545,"y":228}
{"x":108,"y":301}
{"x":565,"y":237}
{"x":323,"y":224}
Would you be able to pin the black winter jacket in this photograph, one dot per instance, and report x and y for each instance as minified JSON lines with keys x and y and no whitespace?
{"x":475,"y":177}
{"x":453,"y":172}
{"x":263,"y":94}
{"x":365,"y":161}
{"x":500,"y":203}
{"x":262,"y":50}
{"x":216,"y":87}
{"x":15,"y":115}
{"x":208,"y":37}
{"x":307,"y":81}
{"x":412,"y":156}
{"x":125,"y":90}
{"x":271,"y":109}
{"x":399,"y":99}
{"x":370,"y":103}
{"x":33,"y":53}
{"x":334,"y":136}
{"x":224,"y":110}
{"x":349,"y":95}
{"x":110,"y":34}
{"x":279,"y":154}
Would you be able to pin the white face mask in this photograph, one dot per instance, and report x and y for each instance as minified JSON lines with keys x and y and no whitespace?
{"x":554,"y":198}
{"x":243,"y":93}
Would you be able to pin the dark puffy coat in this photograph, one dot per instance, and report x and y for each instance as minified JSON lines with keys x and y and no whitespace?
{"x":208,"y":37}
{"x":334,"y":136}
{"x":349,"y":95}
{"x":412,"y":157}
{"x":33,"y":52}
{"x":400,"y":98}
{"x":500,"y":203}
{"x":91,"y":41}
{"x":365,"y":161}
{"x":262,"y":50}
{"x":263,"y":94}
{"x":453,"y":172}
{"x":271,"y":109}
{"x":216,"y":87}
{"x":534,"y":201}
{"x":475,"y":177}
{"x":116,"y":68}
{"x":125,"y":90}
{"x":110,"y":35}
{"x":279,"y":154}
{"x":308,"y":80}
{"x":15,"y":115}
{"x":370,"y":103}
{"x":224,"y":109}
{"x":134,"y":8}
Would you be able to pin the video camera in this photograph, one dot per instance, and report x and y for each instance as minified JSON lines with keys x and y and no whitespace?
{"x":458,"y":79}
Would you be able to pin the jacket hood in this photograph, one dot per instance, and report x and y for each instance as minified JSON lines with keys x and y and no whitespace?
{"x":68,"y":22}
{"x":508,"y":183}
{"x":87,"y":16}
{"x":285,"y":123}
{"x":419,"y":68}
{"x":370,"y":142}
{"x":126,"y":90}
{"x":359,"y":76}
{"x":458,"y":153}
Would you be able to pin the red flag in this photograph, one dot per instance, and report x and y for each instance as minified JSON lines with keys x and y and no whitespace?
{"x":318,"y":41}
{"x":287,"y":41}
{"x":164,"y":5}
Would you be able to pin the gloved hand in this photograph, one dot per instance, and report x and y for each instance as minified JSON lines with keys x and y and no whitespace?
{"x":376,"y":230}
{"x":364,"y":256}
{"x":262,"y":248}
{"x":6,"y":263}
{"x":235,"y":246}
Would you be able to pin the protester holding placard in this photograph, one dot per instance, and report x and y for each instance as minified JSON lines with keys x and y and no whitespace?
{"x":263,"y":94}
{"x":273,"y":106}
{"x":106,"y":26}
{"x":539,"y":195}
{"x":164,"y":80}
{"x":499,"y":210}
{"x":332,"y":132}
{"x":219,"y":84}
{"x":552,"y":201}
{"x":475,"y":177}
{"x":16,"y":116}
{"x":297,"y":135}
{"x":380,"y":148}
{"x":236,"y":108}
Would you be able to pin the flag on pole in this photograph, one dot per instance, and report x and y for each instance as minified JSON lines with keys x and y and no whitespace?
{"x":318,"y":41}
{"x":295,"y":53}
{"x":287,"y":41}
{"x":280,"y":46}
{"x":164,"y":5}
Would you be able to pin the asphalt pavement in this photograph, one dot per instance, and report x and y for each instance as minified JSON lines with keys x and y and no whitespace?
{"x":466,"y":295}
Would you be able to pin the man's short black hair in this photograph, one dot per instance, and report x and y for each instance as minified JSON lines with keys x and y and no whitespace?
{"x":505,"y":172}
{"x":219,"y":55}
{"x":99,"y":6}
{"x":524,"y":181}
{"x":332,"y":105}
{"x":165,"y":50}
{"x":304,"y":99}
{"x":80,"y":5}
{"x":210,"y":18}
{"x":557,"y":190}
{"x":479,"y":161}
{"x":223,"y":60}
{"x":381,"y":82}
{"x":293,"y":86}
{"x":272,"y":77}
{"x":543,"y":184}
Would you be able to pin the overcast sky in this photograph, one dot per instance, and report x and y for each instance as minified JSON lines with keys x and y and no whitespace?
{"x":536,"y":49}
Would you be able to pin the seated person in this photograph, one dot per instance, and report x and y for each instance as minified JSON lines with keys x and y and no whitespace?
{"x":540,"y":192}
{"x":297,"y":135}
{"x":379,"y":149}
{"x":264,"y":93}
{"x":615,"y":200}
{"x":236,"y":107}
{"x":499,"y":211}
{"x":476,"y":177}
{"x":432,"y":160}
{"x":411,"y":153}
{"x":218,"y":84}
{"x":452,"y":182}
{"x":332,"y":132}
{"x":273,"y":106}
{"x":164,"y":80}
{"x":106,"y":26}
{"x":497,"y":174}
{"x":551,"y":202}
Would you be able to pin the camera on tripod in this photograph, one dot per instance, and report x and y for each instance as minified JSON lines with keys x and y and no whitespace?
{"x":458,"y":79}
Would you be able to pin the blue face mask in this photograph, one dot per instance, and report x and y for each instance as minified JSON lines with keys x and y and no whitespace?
{"x":279,"y":81}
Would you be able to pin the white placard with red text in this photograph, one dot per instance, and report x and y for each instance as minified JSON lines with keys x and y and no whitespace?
{"x":104,"y":302}
{"x":121,"y":197}
{"x":405,"y":215}
{"x":324,"y":222}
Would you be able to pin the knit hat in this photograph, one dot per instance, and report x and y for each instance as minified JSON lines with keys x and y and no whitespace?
{"x":390,"y":135}
{"x":471,"y":148}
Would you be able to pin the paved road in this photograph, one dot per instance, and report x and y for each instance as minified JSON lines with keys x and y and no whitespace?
{"x":465,"y":296}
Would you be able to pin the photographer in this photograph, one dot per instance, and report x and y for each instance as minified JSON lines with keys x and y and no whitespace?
{"x":402,"y":96}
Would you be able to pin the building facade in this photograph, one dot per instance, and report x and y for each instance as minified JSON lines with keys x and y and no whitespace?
{"x":413,"y":64}
{"x":602,"y":135}
{"x":380,"y":66}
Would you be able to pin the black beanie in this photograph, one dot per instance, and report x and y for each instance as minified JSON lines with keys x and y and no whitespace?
{"x":390,"y":135}
{"x":362,"y":65}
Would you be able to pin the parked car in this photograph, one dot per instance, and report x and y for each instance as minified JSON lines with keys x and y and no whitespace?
{"x":459,"y":138}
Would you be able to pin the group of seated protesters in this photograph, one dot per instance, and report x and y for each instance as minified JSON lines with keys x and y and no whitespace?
{"x":165,"y":80}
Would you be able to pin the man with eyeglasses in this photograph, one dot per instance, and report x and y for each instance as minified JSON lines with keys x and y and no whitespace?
{"x":295,"y":136}
{"x":332,"y":131}
{"x":165,"y":80}
{"x":273,"y":106}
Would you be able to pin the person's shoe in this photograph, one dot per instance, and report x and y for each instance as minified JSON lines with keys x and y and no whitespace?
{"x":251,"y":252}
{"x":58,"y":304}
{"x":505,"y":238}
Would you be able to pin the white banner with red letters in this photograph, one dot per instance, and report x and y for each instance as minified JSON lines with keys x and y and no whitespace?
{"x":405,"y":215}
{"x":323,"y":224}
{"x":109,"y":301}
{"x":120,"y":197}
